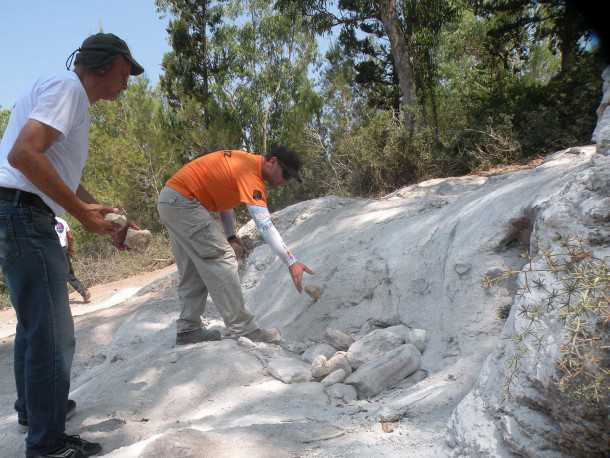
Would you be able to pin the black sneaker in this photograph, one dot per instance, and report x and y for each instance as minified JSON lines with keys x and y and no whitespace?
{"x":22,"y":422}
{"x":197,"y":335}
{"x":86,"y":448}
{"x":66,"y":451}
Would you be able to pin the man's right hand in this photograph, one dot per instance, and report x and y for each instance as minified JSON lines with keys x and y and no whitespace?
{"x":296,"y":272}
{"x":239,"y":248}
{"x":91,"y":216}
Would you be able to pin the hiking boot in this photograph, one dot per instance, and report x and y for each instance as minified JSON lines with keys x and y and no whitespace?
{"x":265,"y":335}
{"x":22,"y":421}
{"x":197,"y":335}
{"x":74,"y":447}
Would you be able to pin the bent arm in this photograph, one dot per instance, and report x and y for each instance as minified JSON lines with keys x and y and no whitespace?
{"x":227,"y":218}
{"x":70,"y":240}
{"x":270,"y":234}
{"x":84,"y":195}
{"x":27,"y":156}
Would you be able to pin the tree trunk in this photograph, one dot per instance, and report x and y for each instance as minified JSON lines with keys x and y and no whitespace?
{"x":205,"y":75}
{"x":402,"y":61}
{"x":568,"y":38}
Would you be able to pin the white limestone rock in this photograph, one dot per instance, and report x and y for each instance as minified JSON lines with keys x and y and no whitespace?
{"x":340,"y":361}
{"x":313,"y":291}
{"x":334,"y":377}
{"x":138,"y":240}
{"x":389,"y":369}
{"x":115,"y":218}
{"x":289,"y":370}
{"x":135,"y":239}
{"x":400,"y":330}
{"x":247,"y":343}
{"x":342,"y":392}
{"x":419,"y":338}
{"x":538,"y":420}
{"x":601,"y":134}
{"x":338,"y":339}
{"x":321,"y":367}
{"x":372,"y":346}
{"x":323,"y":349}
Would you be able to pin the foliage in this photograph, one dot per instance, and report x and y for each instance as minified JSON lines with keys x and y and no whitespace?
{"x":256,"y":84}
{"x":379,"y":156}
{"x":108,"y":264}
{"x":105,"y":264}
{"x":527,"y":109}
{"x":130,"y":157}
{"x":4,"y":115}
{"x":519,"y":23}
{"x":191,"y":65}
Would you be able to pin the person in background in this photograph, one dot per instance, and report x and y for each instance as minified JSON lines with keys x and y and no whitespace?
{"x":42,"y":155}
{"x":206,"y":255}
{"x":66,"y":240}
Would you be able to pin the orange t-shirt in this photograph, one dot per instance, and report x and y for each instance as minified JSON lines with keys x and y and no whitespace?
{"x":222,"y":180}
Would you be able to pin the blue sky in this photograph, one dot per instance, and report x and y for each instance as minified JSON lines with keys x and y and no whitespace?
{"x":36,"y":36}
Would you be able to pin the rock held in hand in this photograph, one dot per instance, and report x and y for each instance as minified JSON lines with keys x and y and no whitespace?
{"x":135,"y":239}
{"x":115,"y":218}
{"x":313,"y":291}
{"x":138,"y":239}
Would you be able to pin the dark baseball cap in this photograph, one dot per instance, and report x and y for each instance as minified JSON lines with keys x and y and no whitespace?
{"x":99,"y":49}
{"x":289,"y":161}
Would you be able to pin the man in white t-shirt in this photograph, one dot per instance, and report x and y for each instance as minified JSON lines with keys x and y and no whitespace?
{"x":66,"y":240}
{"x":42,"y":154}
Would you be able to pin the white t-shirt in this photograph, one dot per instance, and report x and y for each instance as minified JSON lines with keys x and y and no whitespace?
{"x":62,"y":228}
{"x":60,"y":102}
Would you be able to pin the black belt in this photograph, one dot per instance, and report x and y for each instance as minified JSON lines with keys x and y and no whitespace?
{"x":24,"y":199}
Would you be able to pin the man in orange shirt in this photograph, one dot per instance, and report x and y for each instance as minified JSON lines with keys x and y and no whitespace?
{"x":205,"y":254}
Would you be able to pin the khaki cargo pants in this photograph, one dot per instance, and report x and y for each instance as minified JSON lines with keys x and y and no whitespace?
{"x":206,"y":263}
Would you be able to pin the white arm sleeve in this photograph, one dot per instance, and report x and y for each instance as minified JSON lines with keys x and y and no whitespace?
{"x":227,"y":218}
{"x":272,"y":237}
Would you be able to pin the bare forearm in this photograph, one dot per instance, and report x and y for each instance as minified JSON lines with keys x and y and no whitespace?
{"x":28,"y":156}
{"x":227,"y":218}
{"x":84,"y":195}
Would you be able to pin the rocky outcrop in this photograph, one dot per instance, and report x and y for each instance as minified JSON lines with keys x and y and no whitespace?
{"x":601,"y":134}
{"x":516,"y":405}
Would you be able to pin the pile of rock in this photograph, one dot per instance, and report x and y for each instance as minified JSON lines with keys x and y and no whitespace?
{"x":363,"y":368}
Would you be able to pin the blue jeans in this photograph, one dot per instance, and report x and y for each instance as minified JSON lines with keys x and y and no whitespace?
{"x":36,"y":271}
